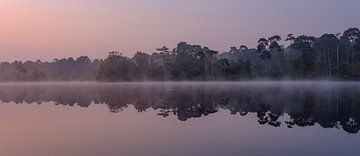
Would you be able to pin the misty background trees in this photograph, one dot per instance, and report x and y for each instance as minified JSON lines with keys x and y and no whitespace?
{"x":66,"y":69}
{"x":330,"y":56}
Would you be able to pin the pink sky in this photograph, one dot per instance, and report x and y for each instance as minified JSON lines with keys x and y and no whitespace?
{"x":44,"y":29}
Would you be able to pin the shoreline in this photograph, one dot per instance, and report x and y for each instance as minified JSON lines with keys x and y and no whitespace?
{"x":244,"y":82}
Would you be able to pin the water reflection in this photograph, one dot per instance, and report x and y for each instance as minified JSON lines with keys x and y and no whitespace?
{"x":331,"y":105}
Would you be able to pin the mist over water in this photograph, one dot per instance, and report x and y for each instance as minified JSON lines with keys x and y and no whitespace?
{"x":78,"y":78}
{"x":180,"y":118}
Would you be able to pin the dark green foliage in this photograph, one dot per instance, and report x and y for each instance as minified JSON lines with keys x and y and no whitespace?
{"x":330,"y":56}
{"x":116,"y":68}
{"x":307,"y":60}
{"x":262,"y":48}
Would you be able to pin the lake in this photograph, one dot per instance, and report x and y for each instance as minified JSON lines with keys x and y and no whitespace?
{"x":180,"y":119}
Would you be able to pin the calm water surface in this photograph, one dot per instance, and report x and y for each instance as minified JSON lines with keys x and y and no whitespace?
{"x":180,"y":119}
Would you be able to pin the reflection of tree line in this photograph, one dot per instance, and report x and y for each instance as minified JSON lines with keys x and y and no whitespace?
{"x":330,"y":107}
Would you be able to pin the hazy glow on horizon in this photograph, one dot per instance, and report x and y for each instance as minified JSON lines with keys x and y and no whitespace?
{"x":44,"y":29}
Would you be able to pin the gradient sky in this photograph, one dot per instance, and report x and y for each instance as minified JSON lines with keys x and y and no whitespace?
{"x":47,"y":29}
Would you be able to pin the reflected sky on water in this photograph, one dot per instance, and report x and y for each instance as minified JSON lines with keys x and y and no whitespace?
{"x":248,"y":118}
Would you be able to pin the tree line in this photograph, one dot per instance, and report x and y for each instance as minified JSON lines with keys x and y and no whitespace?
{"x":330,"y":56}
{"x":66,"y":69}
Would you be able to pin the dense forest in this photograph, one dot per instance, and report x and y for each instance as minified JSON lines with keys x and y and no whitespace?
{"x":330,"y":56}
